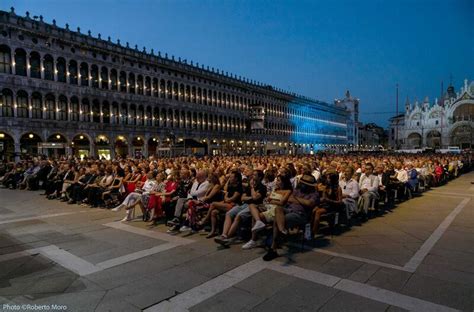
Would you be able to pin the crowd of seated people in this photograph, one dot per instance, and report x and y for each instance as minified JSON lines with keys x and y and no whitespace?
{"x":239,"y":196}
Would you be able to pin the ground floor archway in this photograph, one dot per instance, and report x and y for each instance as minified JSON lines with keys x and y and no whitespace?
{"x":81,"y":146}
{"x":7,"y":147}
{"x":29,"y":143}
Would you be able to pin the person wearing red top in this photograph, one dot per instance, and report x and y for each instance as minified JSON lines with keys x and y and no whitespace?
{"x":132,"y":182}
{"x":170,"y":188}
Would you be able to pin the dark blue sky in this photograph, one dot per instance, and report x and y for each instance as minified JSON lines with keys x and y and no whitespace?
{"x":315,"y":48}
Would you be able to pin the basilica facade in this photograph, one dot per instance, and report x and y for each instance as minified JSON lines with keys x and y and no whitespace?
{"x":63,"y":91}
{"x":448,"y":121}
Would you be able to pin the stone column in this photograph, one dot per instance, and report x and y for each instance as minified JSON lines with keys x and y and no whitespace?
{"x":101,"y":114}
{"x":15,"y":114}
{"x":41,"y":68}
{"x":127,"y":83}
{"x":17,"y":151}
{"x":91,"y":148}
{"x":29,"y":106}
{"x":28,"y":68}
{"x":55,"y":69}
{"x":56,"y":106}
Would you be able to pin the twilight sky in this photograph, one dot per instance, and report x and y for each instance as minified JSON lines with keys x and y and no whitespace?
{"x":315,"y":48}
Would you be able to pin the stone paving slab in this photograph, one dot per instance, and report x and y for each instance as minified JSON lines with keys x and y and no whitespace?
{"x":445,"y":276}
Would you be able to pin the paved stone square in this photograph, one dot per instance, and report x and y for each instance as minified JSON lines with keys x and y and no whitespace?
{"x":419,"y":256}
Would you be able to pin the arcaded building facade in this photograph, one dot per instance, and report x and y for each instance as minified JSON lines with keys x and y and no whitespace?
{"x":65,"y":92}
{"x":449,"y":121}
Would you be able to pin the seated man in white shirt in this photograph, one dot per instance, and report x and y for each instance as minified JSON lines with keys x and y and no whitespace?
{"x":198,"y":191}
{"x":350,"y":191}
{"x":369,"y":187}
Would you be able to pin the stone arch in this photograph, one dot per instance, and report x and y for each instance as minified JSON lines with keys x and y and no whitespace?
{"x":414,"y":140}
{"x":463,"y":111}
{"x":462,"y":135}
{"x":29,"y":142}
{"x":7,"y":153}
{"x":433,"y":139}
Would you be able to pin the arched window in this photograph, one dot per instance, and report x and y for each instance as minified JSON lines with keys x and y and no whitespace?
{"x":84,"y":74}
{"x":204,"y":96}
{"x":199,"y":96}
{"x":113,"y":79}
{"x":169,"y":119}
{"x":189,"y":120}
{"x":176,"y":118}
{"x":182,"y":118}
{"x":36,"y":106}
{"x":115,"y":113}
{"x":162,"y":88}
{"x":140,"y":116}
{"x":148,"y":86}
{"x":49,"y":107}
{"x":156,"y":117}
{"x":169,"y":90}
{"x":48,"y":64}
{"x":96,"y":111}
{"x":131,"y":83}
{"x":6,"y":102}
{"x":188,"y":94}
{"x":181,"y":92}
{"x":123,"y":81}
{"x":124,"y":113}
{"x":176,"y":91}
{"x":132,"y":115}
{"x":85,"y":110}
{"x":22,"y":104}
{"x":104,"y":77}
{"x":193,"y":95}
{"x":74,"y":109}
{"x":105,"y":112}
{"x":5,"y":59}
{"x":155,"y":87}
{"x":148,"y":117}
{"x":140,"y":84}
{"x":163,"y":118}
{"x":35,"y":65}
{"x":73,"y":72}
{"x":61,"y":68}
{"x":95,"y":76}
{"x":20,"y":62}
{"x":62,"y":108}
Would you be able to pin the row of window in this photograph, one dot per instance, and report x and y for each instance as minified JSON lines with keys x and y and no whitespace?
{"x":50,"y":107}
{"x":102,"y":78}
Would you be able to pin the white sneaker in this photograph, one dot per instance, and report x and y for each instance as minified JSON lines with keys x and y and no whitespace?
{"x":184,"y":228}
{"x":259,"y":225}
{"x":127,"y":218}
{"x":249,"y":245}
{"x":117,"y":208}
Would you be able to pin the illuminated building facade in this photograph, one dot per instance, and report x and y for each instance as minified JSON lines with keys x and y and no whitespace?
{"x":446,"y":122}
{"x":66,"y":92}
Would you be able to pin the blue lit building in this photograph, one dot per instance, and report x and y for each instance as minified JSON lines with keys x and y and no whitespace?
{"x":63,"y":91}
